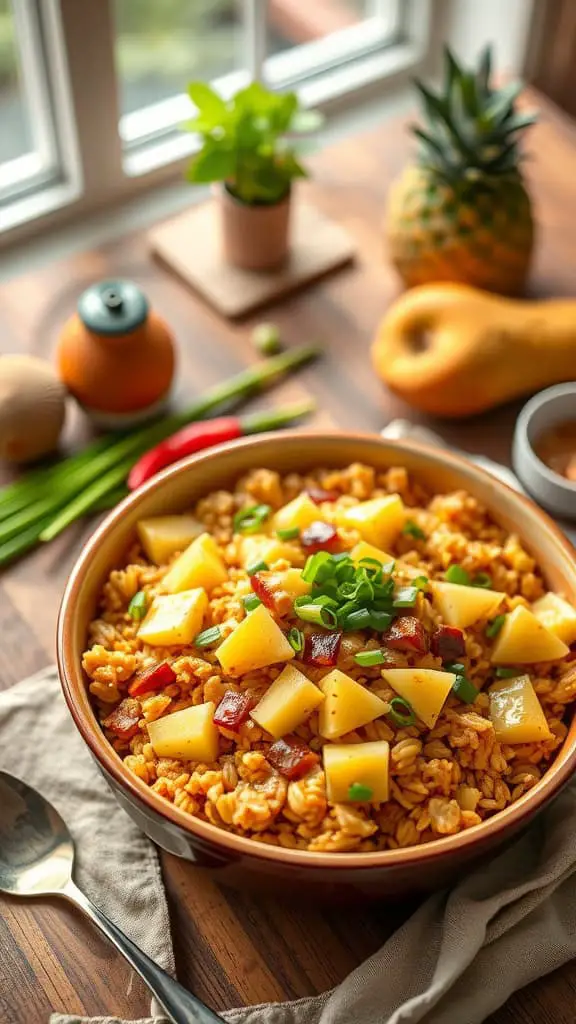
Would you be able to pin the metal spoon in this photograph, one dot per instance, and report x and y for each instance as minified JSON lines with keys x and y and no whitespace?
{"x":36,"y":859}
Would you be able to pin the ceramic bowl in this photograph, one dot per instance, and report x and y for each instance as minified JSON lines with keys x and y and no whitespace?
{"x":545,"y":410}
{"x":234,"y":858}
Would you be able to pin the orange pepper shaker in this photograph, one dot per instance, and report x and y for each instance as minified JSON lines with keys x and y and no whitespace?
{"x":116,"y":355}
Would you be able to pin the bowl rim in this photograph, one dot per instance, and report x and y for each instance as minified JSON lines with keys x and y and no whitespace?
{"x":236,"y":846}
{"x":548,"y":397}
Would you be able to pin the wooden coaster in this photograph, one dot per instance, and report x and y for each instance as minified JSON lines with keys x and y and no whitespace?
{"x":189,"y":245}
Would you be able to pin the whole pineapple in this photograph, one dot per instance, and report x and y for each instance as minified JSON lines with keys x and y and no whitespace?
{"x":463,"y":212}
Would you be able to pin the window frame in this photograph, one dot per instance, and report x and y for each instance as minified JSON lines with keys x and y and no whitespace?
{"x":94,"y":170}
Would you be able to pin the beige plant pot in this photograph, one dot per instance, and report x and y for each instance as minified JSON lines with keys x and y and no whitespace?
{"x":254,"y":237}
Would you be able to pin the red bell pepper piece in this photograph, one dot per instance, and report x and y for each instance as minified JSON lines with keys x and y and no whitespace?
{"x":322,"y":649}
{"x":233,"y":710}
{"x":319,"y":536}
{"x":292,"y":757}
{"x":447,"y":642}
{"x":193,"y":438}
{"x":123,"y":721}
{"x":153,"y":678}
{"x":318,"y":495}
{"x":406,"y":634}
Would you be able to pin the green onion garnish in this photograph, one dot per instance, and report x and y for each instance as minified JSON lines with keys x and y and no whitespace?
{"x":312,"y":571}
{"x":316,"y":613}
{"x":250,"y":520}
{"x":138,"y":605}
{"x":380,"y":620}
{"x":482,"y":579}
{"x":401,"y":712}
{"x":289,"y":534}
{"x":455,"y":666}
{"x":359,"y":619}
{"x":369,"y":658}
{"x":421,"y":582}
{"x":257,"y":567}
{"x":251,"y":602}
{"x":405,"y":597}
{"x":207,"y":637}
{"x":456,"y":574}
{"x":506,"y":673}
{"x":296,"y":639}
{"x":494,"y":627}
{"x":358,"y":791}
{"x":411,"y":529}
{"x":464,"y":690}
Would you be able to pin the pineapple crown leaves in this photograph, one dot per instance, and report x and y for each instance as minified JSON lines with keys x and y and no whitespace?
{"x":472,"y":129}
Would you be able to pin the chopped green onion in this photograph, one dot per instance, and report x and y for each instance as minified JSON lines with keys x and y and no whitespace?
{"x":494,"y":627}
{"x":290,"y":534}
{"x":411,"y":529}
{"x":250,"y":520}
{"x":482,"y":579}
{"x":464,"y":690}
{"x":380,"y":620}
{"x":315,"y":564}
{"x":371,"y":566}
{"x":257,"y":567}
{"x":388,"y":568}
{"x":456,"y":574}
{"x":266,"y":339}
{"x":369,"y":658}
{"x":401,"y":712}
{"x":207,"y":637}
{"x":405,"y":597}
{"x":359,"y":619}
{"x":421,"y":582}
{"x":138,"y":605}
{"x":455,"y":666}
{"x":357,"y":791}
{"x":296,"y":639}
{"x":317,"y":614}
{"x":506,"y":673}
{"x":251,"y":602}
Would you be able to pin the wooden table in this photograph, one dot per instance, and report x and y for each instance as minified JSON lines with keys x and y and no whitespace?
{"x":233,"y":948}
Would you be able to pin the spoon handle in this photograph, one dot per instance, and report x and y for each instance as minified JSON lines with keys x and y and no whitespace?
{"x":181,"y":1006}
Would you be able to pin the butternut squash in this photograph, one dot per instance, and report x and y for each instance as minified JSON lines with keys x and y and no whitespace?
{"x":453,"y":350}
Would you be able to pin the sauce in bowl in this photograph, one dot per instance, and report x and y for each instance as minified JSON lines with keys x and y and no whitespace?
{"x":556,"y":447}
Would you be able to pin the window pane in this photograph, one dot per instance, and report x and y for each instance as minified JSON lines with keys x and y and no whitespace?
{"x":294,"y":22}
{"x":15,"y":130}
{"x":163,"y":44}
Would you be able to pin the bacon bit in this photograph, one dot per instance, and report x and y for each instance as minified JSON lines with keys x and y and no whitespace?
{"x":322,"y":649}
{"x":233,"y":710}
{"x":123,"y":721}
{"x":447,"y":642}
{"x":318,"y":495}
{"x":153,"y":678}
{"x":269,"y":587}
{"x":319,"y":536}
{"x":292,"y":757}
{"x":407,"y":634}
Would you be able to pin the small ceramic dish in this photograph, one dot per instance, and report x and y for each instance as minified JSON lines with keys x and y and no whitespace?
{"x":545,"y":410}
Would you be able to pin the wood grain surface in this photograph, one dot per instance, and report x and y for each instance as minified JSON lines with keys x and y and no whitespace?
{"x":235,"y":948}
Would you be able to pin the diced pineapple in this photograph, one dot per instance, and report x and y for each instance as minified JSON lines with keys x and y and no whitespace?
{"x":174,"y":619}
{"x":200,"y":565}
{"x":516,"y":712}
{"x":425,"y":689}
{"x":267,"y":549}
{"x":256,"y":642}
{"x":288,"y":702}
{"x":364,"y":550}
{"x":188,"y":735}
{"x":163,"y":536}
{"x":378,"y":521}
{"x":557,"y":615}
{"x":347,"y":706}
{"x":300,"y":512}
{"x":524,"y":640}
{"x":292,"y":583}
{"x":462,"y":606}
{"x":356,"y":764}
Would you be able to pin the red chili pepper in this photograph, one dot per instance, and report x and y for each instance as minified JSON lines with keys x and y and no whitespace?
{"x":233,"y":710}
{"x":322,"y":649}
{"x":319,"y":536}
{"x":190,"y":439}
{"x":123,"y":721}
{"x":407,"y":634}
{"x":152,"y":679}
{"x":292,"y":757}
{"x":447,"y":642}
{"x":318,"y":495}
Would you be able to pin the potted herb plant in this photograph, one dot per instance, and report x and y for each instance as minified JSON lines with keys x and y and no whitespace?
{"x":248,"y":146}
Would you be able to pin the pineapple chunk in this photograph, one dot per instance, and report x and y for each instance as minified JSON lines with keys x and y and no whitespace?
{"x":378,"y":521}
{"x":300,"y":512}
{"x":188,"y":735}
{"x":174,"y":619}
{"x":292,"y":583}
{"x":288,"y":702}
{"x":425,"y":689}
{"x":524,"y":640}
{"x":347,"y":706}
{"x":365,"y":764}
{"x":267,"y":549}
{"x":364,"y":550}
{"x":163,"y":536}
{"x":461,"y":606}
{"x":516,"y":712}
{"x":200,"y":565}
{"x":256,"y":642}
{"x":557,"y":615}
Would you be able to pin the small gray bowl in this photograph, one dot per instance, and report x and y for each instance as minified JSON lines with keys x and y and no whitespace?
{"x":545,"y":410}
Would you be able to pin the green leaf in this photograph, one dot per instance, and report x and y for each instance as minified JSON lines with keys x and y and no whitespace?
{"x":519,"y":122}
{"x":209,"y":103}
{"x":502,"y":103}
{"x":485,"y":69}
{"x":211,"y":164}
{"x":304,"y":121}
{"x":453,"y":71}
